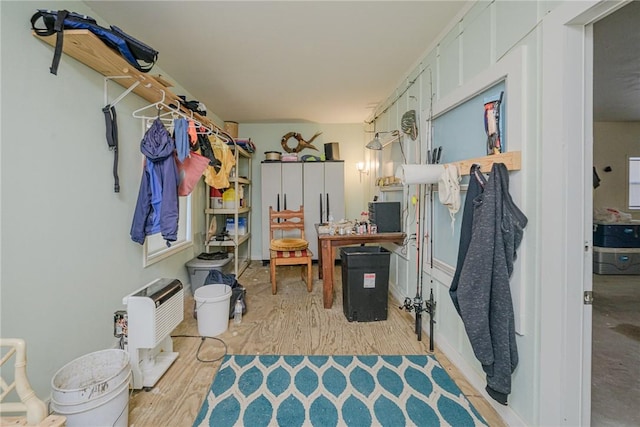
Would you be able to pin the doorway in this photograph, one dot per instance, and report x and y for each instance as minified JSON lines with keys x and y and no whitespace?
{"x":615,"y":354}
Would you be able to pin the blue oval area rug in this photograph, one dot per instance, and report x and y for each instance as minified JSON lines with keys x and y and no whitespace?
{"x":334,"y":391}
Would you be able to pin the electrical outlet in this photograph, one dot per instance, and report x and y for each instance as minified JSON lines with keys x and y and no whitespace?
{"x":120,"y":324}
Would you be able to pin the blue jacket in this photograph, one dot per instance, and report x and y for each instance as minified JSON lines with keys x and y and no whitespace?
{"x":157,"y":207}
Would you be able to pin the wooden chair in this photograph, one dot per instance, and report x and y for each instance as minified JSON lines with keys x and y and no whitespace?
{"x":288,"y":250}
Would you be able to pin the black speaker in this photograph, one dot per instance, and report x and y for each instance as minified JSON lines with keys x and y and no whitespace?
{"x":331,"y":151}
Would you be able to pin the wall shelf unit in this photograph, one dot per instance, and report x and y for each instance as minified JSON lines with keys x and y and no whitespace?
{"x":241,"y":184}
{"x":87,"y":48}
{"x":387,"y":188}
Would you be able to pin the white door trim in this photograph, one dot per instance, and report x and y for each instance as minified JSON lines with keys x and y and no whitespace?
{"x":565,"y":213}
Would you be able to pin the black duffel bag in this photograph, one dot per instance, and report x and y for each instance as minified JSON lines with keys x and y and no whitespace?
{"x":238,"y":292}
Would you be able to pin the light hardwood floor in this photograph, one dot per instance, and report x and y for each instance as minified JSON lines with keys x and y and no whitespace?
{"x":291,"y":322}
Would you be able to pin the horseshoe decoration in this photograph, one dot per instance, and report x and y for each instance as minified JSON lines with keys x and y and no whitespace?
{"x":302,"y":144}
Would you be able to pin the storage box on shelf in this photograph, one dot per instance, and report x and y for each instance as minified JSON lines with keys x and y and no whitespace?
{"x":616,"y":248}
{"x":235,"y":210}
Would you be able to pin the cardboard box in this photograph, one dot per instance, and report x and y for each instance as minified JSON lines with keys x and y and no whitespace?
{"x":242,"y":227}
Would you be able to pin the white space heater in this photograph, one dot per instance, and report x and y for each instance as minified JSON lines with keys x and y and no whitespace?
{"x":153,"y":312}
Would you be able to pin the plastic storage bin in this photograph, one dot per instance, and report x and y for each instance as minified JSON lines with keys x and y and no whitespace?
{"x":199,"y":269}
{"x":619,"y":235}
{"x":365,"y":282}
{"x":616,"y":260}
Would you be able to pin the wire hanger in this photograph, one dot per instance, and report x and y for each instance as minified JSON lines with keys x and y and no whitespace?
{"x":174,"y":112}
{"x":159,"y":105}
{"x":170,"y":114}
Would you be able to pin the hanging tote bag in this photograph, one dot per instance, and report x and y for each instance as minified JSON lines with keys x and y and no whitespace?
{"x":190,"y":171}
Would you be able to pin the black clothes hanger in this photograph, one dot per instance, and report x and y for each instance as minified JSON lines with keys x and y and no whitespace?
{"x":477,"y":174}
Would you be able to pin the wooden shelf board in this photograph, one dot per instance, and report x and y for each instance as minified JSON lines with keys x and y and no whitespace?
{"x":226,"y":211}
{"x":241,"y":239}
{"x":240,"y":180}
{"x":241,"y":151}
{"x":511,"y":159}
{"x":391,"y":188}
{"x":88,"y":49}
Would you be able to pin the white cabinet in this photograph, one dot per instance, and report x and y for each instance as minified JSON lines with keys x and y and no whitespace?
{"x":237,"y":242}
{"x":323,"y":197}
{"x":319,"y":186}
{"x":281,"y":189}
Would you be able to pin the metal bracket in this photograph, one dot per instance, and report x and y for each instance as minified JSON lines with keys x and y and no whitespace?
{"x":123,"y":94}
{"x":588,"y":298}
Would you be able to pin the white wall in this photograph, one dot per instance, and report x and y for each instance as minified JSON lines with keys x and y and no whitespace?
{"x":66,"y":255}
{"x":613,"y":144}
{"x":67,"y":258}
{"x":486,"y":36}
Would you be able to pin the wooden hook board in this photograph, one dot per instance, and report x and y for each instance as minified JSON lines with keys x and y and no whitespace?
{"x":511,"y":159}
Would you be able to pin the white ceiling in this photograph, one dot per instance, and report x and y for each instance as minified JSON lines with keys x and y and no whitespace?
{"x":616,"y":71}
{"x":291,"y":61}
{"x":331,"y":61}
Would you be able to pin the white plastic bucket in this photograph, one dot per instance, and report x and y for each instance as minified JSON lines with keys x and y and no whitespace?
{"x":212,"y":309}
{"x":94,"y":389}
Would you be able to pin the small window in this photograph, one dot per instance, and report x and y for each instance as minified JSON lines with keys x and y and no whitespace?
{"x":155,"y":247}
{"x":634,"y":182}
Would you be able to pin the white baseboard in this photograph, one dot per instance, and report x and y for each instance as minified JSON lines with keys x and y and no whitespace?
{"x":471,"y":375}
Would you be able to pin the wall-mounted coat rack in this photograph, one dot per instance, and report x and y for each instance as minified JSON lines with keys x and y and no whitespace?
{"x":430,"y":173}
{"x":166,"y":112}
{"x":88,"y":49}
{"x":511,"y":159}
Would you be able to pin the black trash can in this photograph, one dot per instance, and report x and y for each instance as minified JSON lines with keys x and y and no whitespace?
{"x":365,"y":282}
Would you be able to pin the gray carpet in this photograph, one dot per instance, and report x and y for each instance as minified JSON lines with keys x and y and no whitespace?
{"x":615,"y":382}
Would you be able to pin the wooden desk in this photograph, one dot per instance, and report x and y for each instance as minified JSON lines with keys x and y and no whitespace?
{"x":326,"y":258}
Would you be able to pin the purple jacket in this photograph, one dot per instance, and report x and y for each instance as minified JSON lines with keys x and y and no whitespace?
{"x":157,"y":206}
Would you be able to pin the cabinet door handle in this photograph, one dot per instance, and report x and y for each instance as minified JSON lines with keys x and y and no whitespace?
{"x":328,"y":211}
{"x":321,"y":221}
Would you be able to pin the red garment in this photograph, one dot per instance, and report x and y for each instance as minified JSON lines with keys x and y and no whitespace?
{"x":193,"y":134}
